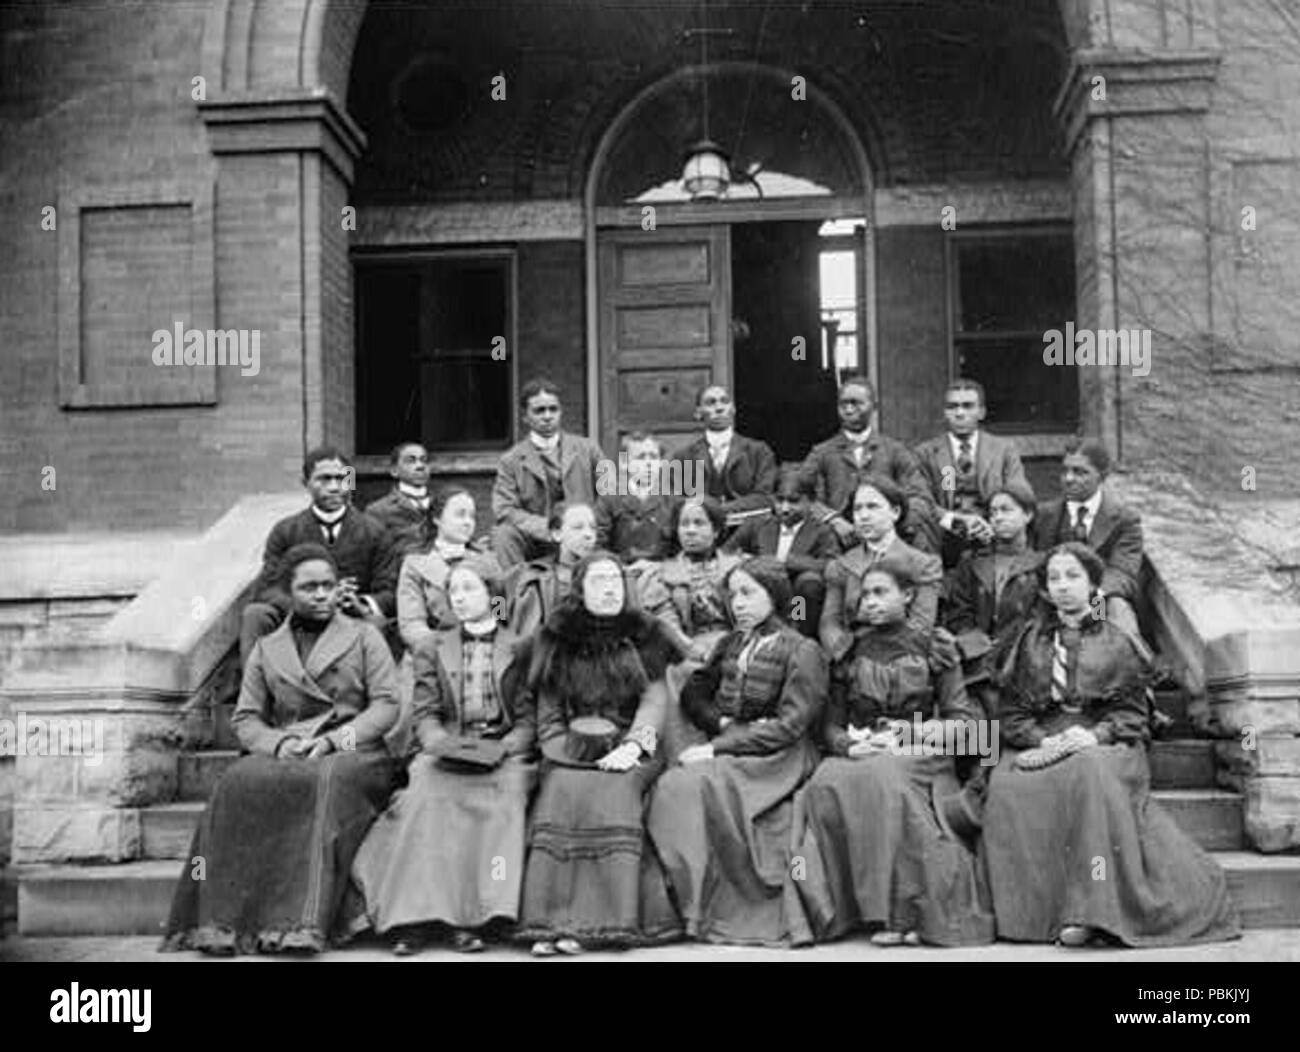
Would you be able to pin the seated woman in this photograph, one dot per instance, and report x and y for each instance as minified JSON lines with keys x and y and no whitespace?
{"x":450,"y":848}
{"x":991,"y":592}
{"x":883,"y":818}
{"x":1075,"y":845}
{"x":722,"y":820}
{"x":536,"y":589}
{"x":596,"y":670}
{"x":422,"y":604}
{"x":279,"y":834}
{"x":687,"y":594}
{"x":878,"y":508}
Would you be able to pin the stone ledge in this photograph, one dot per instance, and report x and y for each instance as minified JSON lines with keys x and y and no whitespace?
{"x":87,"y":565}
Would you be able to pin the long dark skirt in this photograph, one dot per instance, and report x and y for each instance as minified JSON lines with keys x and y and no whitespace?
{"x":723,"y":830}
{"x":276,"y":844}
{"x":877,"y":857}
{"x":592,"y":874}
{"x":449,"y":849}
{"x":1082,"y":842}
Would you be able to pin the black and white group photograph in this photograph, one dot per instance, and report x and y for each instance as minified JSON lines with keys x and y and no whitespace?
{"x":651,"y":481}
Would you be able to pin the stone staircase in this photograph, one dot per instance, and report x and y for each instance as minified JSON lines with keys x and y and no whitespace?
{"x":133,"y":898}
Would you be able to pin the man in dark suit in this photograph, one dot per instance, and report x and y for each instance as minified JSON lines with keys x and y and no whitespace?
{"x":963,"y":468}
{"x":739,"y":472}
{"x":360,"y":546}
{"x":837,"y":465}
{"x":547,"y":467}
{"x":404,"y":510}
{"x":1090,"y":514}
{"x":792,"y":537}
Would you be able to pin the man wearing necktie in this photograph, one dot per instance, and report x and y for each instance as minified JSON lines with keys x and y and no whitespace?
{"x":739,"y":472}
{"x":1089,"y":513}
{"x":963,"y":468}
{"x":361,"y":546}
{"x":858,"y":450}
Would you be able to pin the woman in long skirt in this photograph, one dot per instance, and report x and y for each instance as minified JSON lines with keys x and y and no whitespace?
{"x":1077,"y":849}
{"x":722,"y":819}
{"x":449,"y":851}
{"x":597,"y":671}
{"x":268,"y":868}
{"x":885,"y":823}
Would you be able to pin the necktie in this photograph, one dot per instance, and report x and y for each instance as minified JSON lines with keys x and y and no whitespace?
{"x":719,"y":458}
{"x":331,"y":530}
{"x":964,"y":461}
{"x":1060,"y":675}
{"x":1080,"y":524}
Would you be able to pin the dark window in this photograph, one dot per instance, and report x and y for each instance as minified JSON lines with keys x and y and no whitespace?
{"x":426,"y":333}
{"x":1008,"y":290}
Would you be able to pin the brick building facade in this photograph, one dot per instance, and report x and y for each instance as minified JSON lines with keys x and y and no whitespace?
{"x":996,"y":169}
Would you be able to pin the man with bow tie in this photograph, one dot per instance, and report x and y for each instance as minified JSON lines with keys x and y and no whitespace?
{"x":857,"y":451}
{"x":404,"y":510}
{"x":361,"y":547}
{"x":964,"y":467}
{"x":739,"y":472}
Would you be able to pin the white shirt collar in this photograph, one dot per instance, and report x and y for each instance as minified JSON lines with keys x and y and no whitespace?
{"x":792,"y":528}
{"x":546,"y":445}
{"x":880,"y":547}
{"x":329,"y":517}
{"x":448,"y":550}
{"x":482,"y":627}
{"x":955,"y":443}
{"x":413,"y":492}
{"x":719,"y":439}
{"x":857,"y":437}
{"x":1092,"y":504}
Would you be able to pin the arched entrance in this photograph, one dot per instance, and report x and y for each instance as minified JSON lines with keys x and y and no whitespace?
{"x":767,"y":290}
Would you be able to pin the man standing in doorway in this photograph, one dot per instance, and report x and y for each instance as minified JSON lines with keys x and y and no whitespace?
{"x":739,"y":472}
{"x":856,"y":451}
{"x":547,"y":467}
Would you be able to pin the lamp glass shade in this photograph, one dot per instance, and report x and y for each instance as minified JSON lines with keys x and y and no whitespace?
{"x":706,"y":174}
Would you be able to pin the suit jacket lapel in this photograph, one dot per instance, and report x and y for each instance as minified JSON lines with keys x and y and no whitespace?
{"x":1103,"y":523}
{"x":339,"y":634}
{"x":532,"y":460}
{"x":769,"y":535}
{"x":568,"y":453}
{"x":803,"y":538}
{"x":281,"y":653}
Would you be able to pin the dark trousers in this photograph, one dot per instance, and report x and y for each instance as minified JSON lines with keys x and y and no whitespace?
{"x":513,"y":546}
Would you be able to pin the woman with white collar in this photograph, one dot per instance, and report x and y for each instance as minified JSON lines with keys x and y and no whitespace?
{"x":422,"y":604}
{"x":449,"y":850}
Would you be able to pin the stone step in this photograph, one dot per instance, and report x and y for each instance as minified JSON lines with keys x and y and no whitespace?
{"x":167,"y":830}
{"x":1186,"y":763}
{"x":134,"y":898}
{"x":1266,"y":888}
{"x":1211,"y":817}
{"x":198,"y":772}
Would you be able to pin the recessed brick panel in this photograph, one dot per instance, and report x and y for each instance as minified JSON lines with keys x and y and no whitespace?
{"x":135,"y":279}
